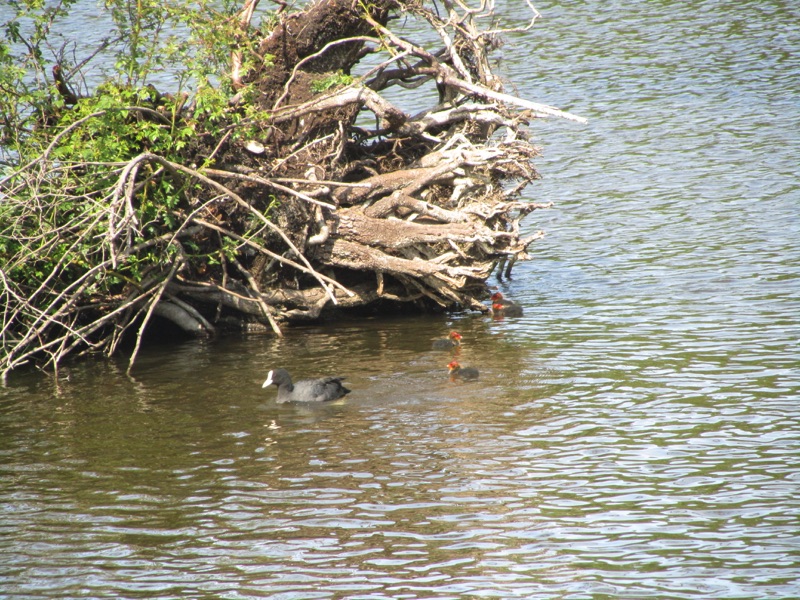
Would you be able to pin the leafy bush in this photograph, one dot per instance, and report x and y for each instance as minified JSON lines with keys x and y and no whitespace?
{"x":85,"y":225}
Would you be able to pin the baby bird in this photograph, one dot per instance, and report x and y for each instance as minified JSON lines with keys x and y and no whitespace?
{"x":459,"y":372}
{"x":504,"y":307}
{"x":451,"y":341}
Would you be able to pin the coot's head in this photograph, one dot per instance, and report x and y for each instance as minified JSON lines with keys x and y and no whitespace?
{"x":454,"y":335}
{"x":277,"y":377}
{"x":454,"y":365}
{"x":498,"y":306}
{"x":496,"y":296}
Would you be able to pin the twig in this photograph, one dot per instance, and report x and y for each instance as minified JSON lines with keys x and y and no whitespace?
{"x":449,"y":77}
{"x":257,"y":291}
{"x":243,"y":204}
{"x":269,"y":183}
{"x":176,"y":264}
{"x":271,"y":254}
{"x":360,"y":38}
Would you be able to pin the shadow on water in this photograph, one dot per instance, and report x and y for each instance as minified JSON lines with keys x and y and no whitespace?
{"x":196,"y":392}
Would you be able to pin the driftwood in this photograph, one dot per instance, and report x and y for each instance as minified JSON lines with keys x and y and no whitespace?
{"x":324,"y":211}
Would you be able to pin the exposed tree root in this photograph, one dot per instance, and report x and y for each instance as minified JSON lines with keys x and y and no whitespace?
{"x":317,"y":211}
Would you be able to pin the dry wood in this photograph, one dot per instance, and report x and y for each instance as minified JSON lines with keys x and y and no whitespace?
{"x":321,"y":211}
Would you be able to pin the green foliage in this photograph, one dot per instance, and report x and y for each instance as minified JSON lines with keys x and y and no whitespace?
{"x":118,"y":131}
{"x":331,"y":80}
{"x":185,"y":42}
{"x":70,"y":219}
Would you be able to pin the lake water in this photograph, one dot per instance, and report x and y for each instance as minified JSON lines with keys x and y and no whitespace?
{"x":636,"y":434}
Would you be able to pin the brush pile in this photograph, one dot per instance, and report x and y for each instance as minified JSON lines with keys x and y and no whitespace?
{"x":334,"y":198}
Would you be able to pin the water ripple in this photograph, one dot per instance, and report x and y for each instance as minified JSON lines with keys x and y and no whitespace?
{"x":634,"y":435}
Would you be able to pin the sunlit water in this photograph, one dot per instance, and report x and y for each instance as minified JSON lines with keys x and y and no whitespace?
{"x":635,"y":435}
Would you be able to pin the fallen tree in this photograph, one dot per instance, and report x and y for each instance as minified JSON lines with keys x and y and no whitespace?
{"x":304,"y":188}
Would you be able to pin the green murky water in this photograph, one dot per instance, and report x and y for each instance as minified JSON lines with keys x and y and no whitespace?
{"x":635,"y":435}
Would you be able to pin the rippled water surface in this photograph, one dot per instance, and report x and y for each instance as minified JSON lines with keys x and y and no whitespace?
{"x":635,"y":435}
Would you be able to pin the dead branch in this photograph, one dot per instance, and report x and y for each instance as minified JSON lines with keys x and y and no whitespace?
{"x":305,"y":209}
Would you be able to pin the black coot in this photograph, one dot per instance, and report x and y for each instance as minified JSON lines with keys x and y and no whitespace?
{"x":305,"y":390}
